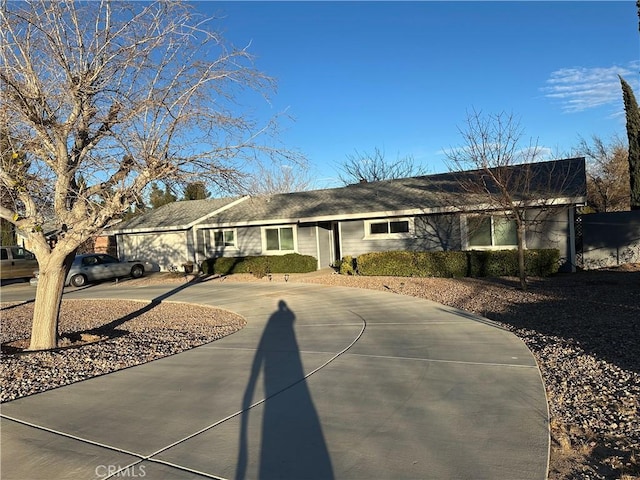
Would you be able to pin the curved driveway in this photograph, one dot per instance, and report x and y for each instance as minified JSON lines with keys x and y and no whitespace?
{"x":323,"y":382}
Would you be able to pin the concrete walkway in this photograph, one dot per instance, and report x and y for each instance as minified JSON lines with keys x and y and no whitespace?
{"x":324,"y":382}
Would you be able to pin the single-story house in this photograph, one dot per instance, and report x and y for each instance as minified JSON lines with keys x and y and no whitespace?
{"x":433,"y":212}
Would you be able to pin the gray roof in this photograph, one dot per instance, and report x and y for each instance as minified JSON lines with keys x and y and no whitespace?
{"x":545,"y":180}
{"x":176,"y":215}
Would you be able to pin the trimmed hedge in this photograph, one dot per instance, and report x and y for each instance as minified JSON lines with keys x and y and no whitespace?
{"x":473,"y":263}
{"x":504,"y":263}
{"x":413,"y":264}
{"x":260,"y":266}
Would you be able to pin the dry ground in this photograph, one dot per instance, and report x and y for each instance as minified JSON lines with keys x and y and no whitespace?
{"x":583,"y":329}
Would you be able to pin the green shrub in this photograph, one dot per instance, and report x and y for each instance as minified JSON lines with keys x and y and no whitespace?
{"x":413,"y":264}
{"x":347,"y":266}
{"x":504,"y":263}
{"x":260,"y":266}
{"x":542,"y":262}
{"x":475,"y":263}
{"x":492,"y":263}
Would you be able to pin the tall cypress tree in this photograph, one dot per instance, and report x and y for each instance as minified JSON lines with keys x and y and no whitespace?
{"x":633,"y":134}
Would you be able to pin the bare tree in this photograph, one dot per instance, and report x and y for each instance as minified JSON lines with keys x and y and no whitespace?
{"x":607,"y":173}
{"x":104,"y":98}
{"x":373,"y":167}
{"x":279,"y":178}
{"x":500,"y":175}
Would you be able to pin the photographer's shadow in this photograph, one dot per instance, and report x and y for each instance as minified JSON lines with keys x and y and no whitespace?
{"x":292,"y":444}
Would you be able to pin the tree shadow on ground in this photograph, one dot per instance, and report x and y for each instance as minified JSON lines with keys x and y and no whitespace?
{"x":107,"y":331}
{"x":604,"y":318}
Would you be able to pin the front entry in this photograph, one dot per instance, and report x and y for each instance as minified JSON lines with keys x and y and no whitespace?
{"x":327,"y":237}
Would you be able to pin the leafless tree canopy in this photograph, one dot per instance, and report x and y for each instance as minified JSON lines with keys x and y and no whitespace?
{"x":504,"y":177}
{"x":279,"y":178}
{"x":374,"y":167}
{"x":104,"y":98}
{"x":99,"y":99}
{"x":607,"y":173}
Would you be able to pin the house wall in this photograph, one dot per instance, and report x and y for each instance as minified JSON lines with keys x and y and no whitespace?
{"x":552,"y":229}
{"x":442,"y":232}
{"x":249,"y":242}
{"x":611,"y":239}
{"x":438,"y":232}
{"x":162,"y":249}
{"x":432,"y":232}
{"x":307,"y":240}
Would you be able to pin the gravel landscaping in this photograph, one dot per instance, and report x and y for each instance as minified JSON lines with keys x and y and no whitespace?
{"x":583,"y":329}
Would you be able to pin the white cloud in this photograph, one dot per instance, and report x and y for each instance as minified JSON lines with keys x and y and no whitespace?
{"x":580,"y":88}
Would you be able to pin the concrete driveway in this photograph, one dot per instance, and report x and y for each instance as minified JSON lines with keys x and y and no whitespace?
{"x":323,"y":382}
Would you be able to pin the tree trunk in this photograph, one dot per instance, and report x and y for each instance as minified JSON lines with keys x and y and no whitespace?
{"x":52,"y":274}
{"x":522,"y":271}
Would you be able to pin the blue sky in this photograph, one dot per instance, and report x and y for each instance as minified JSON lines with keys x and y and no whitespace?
{"x":401,"y":76}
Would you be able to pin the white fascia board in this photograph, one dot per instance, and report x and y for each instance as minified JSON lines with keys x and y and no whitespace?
{"x":180,"y":227}
{"x":334,"y":217}
{"x":148,"y":230}
{"x":541,"y":203}
{"x":219,"y":210}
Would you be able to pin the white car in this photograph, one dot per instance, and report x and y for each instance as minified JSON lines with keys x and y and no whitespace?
{"x":94,"y":267}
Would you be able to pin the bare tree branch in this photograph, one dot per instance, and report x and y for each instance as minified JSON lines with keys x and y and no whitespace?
{"x":374,"y":167}
{"x":103,"y":98}
{"x":608,"y":185}
{"x":502,"y":176}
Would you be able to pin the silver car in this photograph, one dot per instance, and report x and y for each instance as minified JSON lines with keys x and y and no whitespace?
{"x":94,"y":267}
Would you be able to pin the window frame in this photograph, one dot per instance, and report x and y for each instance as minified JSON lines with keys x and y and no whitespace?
{"x":493,"y":217}
{"x":280,"y":251}
{"x":388,"y":235}
{"x":211,"y":239}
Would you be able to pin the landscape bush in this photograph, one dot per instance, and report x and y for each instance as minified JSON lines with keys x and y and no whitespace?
{"x":504,"y":263}
{"x":347,"y":266}
{"x":475,"y":263}
{"x":413,"y":264}
{"x":260,"y":265}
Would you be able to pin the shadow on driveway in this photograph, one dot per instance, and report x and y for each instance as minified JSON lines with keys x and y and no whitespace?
{"x":292,"y":443}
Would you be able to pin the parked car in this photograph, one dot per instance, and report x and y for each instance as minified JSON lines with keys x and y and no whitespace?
{"x":94,"y":267}
{"x":16,"y":262}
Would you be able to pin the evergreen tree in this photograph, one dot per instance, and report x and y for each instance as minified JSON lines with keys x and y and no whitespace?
{"x":196,"y":191}
{"x":159,"y":197}
{"x":633,"y":134}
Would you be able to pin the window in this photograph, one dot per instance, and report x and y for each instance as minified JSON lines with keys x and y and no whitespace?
{"x":396,"y":228}
{"x":221,"y":239}
{"x":18,"y":253}
{"x":491,"y":231}
{"x":224,"y":238}
{"x":279,"y":239}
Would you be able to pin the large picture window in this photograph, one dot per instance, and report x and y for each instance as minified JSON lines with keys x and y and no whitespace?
{"x":388,"y":228}
{"x":491,"y":231}
{"x":279,"y":239}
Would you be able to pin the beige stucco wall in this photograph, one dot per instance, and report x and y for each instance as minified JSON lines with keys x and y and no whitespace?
{"x":163,"y":250}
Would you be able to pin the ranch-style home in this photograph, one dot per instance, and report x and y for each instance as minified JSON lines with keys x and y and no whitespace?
{"x":433,"y":212}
